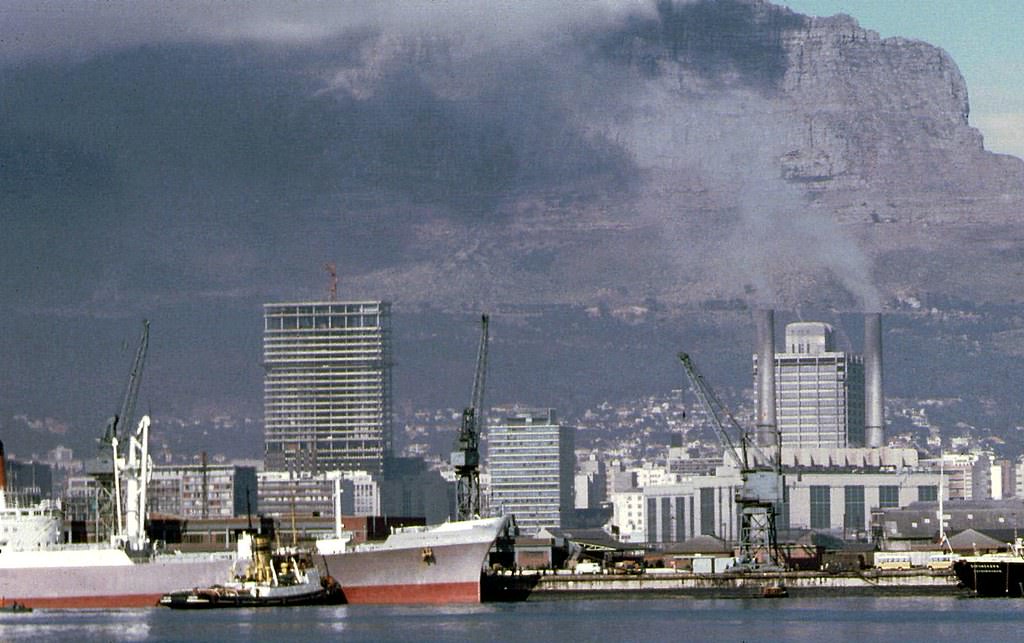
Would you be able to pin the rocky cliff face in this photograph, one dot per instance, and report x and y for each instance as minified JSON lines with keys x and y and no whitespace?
{"x":770,"y":157}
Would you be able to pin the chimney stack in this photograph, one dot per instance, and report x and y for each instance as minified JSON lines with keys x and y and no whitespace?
{"x":3,"y":469}
{"x":874,"y":402}
{"x":766,"y":426}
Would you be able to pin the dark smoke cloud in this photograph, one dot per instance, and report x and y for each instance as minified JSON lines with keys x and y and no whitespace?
{"x":724,"y":42}
{"x":192,"y":160}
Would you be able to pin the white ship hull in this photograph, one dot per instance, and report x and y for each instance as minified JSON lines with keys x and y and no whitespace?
{"x":441,"y":564}
{"x":103,"y":578}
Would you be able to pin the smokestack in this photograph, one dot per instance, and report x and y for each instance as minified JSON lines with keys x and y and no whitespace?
{"x":3,"y":468}
{"x":766,"y":431}
{"x":874,"y":403}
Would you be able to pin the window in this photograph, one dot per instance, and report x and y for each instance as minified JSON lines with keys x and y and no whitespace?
{"x":652,"y":506}
{"x":666,"y":522}
{"x":927,"y":493}
{"x":853,"y":518}
{"x":888,"y":496}
{"x":680,"y":506}
{"x":821,"y":508}
{"x":707,"y":511}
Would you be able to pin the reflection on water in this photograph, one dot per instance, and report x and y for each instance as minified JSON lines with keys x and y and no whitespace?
{"x":832,"y":619}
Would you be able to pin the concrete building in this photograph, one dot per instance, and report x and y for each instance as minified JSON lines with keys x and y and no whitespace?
{"x":203,"y":491}
{"x":408,"y":488}
{"x":831,"y":498}
{"x":702,"y":505}
{"x":968,"y":475}
{"x":284,"y":494}
{"x":327,"y":386}
{"x":591,"y":484}
{"x":841,"y":500}
{"x":819,"y":391}
{"x":1004,"y":479}
{"x":629,"y":521}
{"x":531,"y":461}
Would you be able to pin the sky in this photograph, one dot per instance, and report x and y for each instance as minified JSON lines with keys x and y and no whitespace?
{"x":983,"y":37}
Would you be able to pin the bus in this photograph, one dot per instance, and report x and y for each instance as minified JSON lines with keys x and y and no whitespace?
{"x":892,"y":560}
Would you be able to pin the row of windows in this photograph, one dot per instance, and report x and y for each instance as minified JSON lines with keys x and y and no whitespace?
{"x":854,"y":516}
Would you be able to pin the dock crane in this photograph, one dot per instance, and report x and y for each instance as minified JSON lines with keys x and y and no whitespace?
{"x":118,"y":430}
{"x":466,"y":455}
{"x":762,"y":482}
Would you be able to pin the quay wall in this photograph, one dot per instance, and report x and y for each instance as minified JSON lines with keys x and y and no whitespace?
{"x":745,"y":585}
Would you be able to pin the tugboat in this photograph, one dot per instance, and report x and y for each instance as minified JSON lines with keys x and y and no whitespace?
{"x":279,"y":579}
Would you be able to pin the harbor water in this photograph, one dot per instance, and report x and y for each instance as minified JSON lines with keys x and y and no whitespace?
{"x":904,"y":619}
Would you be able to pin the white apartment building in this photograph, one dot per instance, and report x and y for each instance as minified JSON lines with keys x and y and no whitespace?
{"x":531,"y":462}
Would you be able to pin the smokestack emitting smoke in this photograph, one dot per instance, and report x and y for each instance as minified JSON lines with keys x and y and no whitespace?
{"x":874,"y":403}
{"x":766,"y":433}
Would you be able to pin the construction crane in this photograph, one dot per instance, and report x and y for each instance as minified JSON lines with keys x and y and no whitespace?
{"x":762,"y":482}
{"x":118,"y":430}
{"x":332,"y":272}
{"x":466,"y":455}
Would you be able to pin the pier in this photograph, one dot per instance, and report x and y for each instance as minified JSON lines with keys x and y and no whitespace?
{"x":670,"y":583}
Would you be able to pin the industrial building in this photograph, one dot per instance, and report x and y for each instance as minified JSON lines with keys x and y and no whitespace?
{"x":839,"y":500}
{"x":819,"y":427}
{"x":531,"y":462}
{"x":327,"y":386}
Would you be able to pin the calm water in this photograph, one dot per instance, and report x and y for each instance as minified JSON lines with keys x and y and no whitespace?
{"x":830,"y":620}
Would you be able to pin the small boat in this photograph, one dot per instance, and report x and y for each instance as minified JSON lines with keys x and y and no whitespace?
{"x":775,"y":591}
{"x":287,"y":578}
{"x":13,"y":607}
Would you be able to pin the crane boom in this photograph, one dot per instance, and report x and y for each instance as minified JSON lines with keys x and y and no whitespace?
{"x":762,"y":482}
{"x":121,"y":423}
{"x":479,"y":379}
{"x":466,"y":455}
{"x":748,"y":452}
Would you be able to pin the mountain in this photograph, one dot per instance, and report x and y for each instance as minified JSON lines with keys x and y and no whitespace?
{"x":612,"y":186}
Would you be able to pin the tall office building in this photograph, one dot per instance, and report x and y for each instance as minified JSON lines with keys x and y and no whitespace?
{"x":819,"y":391}
{"x":327,"y":386}
{"x":531,"y":460}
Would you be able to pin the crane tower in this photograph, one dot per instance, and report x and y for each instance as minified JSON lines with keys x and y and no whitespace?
{"x":761,"y":474}
{"x":466,"y":455}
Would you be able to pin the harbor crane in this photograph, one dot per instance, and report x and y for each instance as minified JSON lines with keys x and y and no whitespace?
{"x":761,"y":490}
{"x":466,"y":455}
{"x":118,"y":430}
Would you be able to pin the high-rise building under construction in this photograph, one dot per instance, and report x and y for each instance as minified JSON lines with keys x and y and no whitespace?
{"x":327,"y":386}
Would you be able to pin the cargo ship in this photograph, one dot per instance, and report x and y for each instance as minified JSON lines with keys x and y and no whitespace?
{"x":1000,"y":574}
{"x":437,"y":564}
{"x":39,"y":571}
